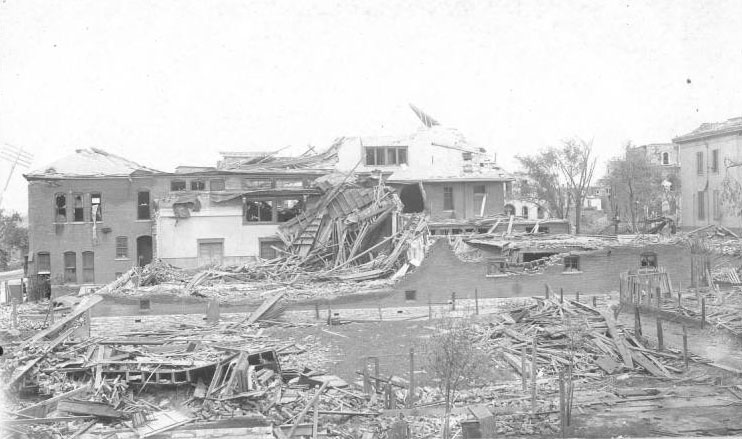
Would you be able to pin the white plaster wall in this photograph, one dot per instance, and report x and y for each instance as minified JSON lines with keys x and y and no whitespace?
{"x":178,"y":238}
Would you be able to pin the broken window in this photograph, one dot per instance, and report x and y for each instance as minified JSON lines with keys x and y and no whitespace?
{"x":70,"y":267}
{"x":268,"y":248}
{"x":88,"y":267}
{"x":480,"y":199}
{"x":509,"y":210}
{"x":287,"y":209}
{"x":524,"y":211}
{"x":665,"y":158}
{"x":43,"y":263}
{"x":571,"y":264}
{"x":177,"y":185}
{"x":96,"y":207}
{"x":122,"y":247}
{"x":257,"y":183}
{"x":143,"y":212}
{"x":447,"y":198}
{"x":78,"y":214}
{"x":198,"y":185}
{"x":496,"y":268}
{"x":258,"y":211}
{"x":216,"y":184}
{"x":60,"y":208}
{"x":648,"y":260}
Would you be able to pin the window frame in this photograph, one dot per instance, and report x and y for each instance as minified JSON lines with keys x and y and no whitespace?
{"x":381,"y":155}
{"x":197,"y":184}
{"x":268,"y":241}
{"x":178,"y":181}
{"x":70,"y":271}
{"x":96,"y":217}
{"x":524,"y":211}
{"x":571,"y":264}
{"x":119,"y":256}
{"x":46,"y":257}
{"x":88,"y":272}
{"x":75,"y":208}
{"x":715,"y":161}
{"x":699,"y":162}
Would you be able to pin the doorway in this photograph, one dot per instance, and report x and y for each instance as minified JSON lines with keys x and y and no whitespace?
{"x":144,"y":250}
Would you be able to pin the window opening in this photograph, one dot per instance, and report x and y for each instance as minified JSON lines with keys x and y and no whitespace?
{"x":70,"y":267}
{"x":60,"y":208}
{"x":571,"y":264}
{"x":88,"y":267}
{"x":143,"y":207}
{"x":96,"y":207}
{"x":198,"y":185}
{"x":268,"y":248}
{"x":43,"y":263}
{"x":78,"y":212}
{"x":177,"y":185}
{"x":447,"y":198}
{"x":258,"y":211}
{"x":122,"y":247}
{"x":289,"y":208}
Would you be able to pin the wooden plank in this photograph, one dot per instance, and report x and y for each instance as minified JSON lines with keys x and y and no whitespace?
{"x":19,"y":373}
{"x":41,"y":409}
{"x":89,"y":408}
{"x":618,"y":340}
{"x":45,"y":420}
{"x":264,"y":307}
{"x":647,"y":364}
{"x":163,"y":421}
{"x":85,"y":305}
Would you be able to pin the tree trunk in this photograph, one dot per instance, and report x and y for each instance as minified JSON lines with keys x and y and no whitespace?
{"x":446,"y":426}
{"x":578,"y":215}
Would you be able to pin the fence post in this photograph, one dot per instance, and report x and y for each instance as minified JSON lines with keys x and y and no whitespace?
{"x":453,"y":301}
{"x":660,"y":335}
{"x":533,"y":376}
{"x":430,"y":308}
{"x":411,"y":396}
{"x":577,"y":298}
{"x":703,"y":312}
{"x":546,"y":294}
{"x":637,"y":322}
{"x":659,"y":298}
{"x":366,"y":379}
{"x":685,"y":346}
{"x":561,"y":295}
{"x":379,"y":306}
{"x":523,"y":370}
{"x":316,"y":311}
{"x":476,"y":300}
{"x":680,"y":304}
{"x":562,"y":405}
{"x":329,"y":315}
{"x":595,"y":301}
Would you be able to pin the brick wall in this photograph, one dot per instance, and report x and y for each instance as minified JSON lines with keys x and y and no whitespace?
{"x":119,"y":210}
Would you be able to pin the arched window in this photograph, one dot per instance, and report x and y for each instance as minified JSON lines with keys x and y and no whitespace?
{"x":540,"y":212}
{"x":509,"y":209}
{"x":524,"y":211}
{"x":665,"y":158}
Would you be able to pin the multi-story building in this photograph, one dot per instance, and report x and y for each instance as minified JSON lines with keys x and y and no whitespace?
{"x":89,"y":217}
{"x":94,"y":215}
{"x":708,"y":154}
{"x":435,"y":170}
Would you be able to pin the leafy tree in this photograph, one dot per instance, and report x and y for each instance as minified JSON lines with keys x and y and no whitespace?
{"x":13,"y":235}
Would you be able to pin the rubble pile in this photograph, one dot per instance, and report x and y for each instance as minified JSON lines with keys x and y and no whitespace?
{"x":352,"y":233}
{"x":574,"y":336}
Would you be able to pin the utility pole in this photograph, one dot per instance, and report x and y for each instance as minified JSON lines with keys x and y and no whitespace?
{"x":17,"y":157}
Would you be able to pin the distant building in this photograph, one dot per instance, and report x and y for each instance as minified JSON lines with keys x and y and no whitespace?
{"x":708,"y":154}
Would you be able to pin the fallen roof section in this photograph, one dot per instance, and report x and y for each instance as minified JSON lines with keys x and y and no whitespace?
{"x":89,"y":163}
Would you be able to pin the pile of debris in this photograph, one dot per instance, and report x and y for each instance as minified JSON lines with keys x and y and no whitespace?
{"x":574,"y":336}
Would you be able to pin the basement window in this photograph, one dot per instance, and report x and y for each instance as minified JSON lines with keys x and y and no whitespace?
{"x":255,"y":211}
{"x":572,"y":264}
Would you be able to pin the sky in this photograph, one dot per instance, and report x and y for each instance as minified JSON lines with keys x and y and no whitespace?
{"x":174,"y":82}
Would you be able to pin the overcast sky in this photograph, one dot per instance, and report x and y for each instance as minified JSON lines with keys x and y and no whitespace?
{"x":173,"y":82}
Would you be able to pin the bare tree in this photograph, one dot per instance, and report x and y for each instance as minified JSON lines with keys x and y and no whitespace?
{"x":547,"y":183}
{"x":453,"y":359}
{"x":576,"y":163}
